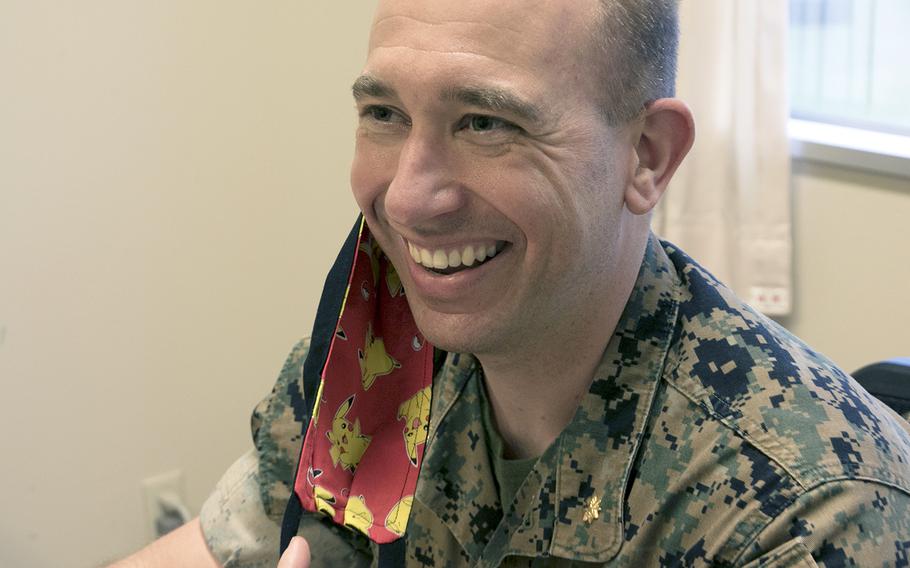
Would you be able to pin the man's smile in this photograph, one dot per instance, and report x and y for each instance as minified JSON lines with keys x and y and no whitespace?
{"x":449,"y":260}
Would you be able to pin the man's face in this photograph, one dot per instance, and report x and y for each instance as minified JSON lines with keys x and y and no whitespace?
{"x":484,"y":168}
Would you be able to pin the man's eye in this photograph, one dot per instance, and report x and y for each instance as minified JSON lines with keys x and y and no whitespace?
{"x":481,"y":123}
{"x":381,"y":114}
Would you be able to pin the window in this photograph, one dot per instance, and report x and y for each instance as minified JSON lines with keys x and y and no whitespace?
{"x":850,"y":72}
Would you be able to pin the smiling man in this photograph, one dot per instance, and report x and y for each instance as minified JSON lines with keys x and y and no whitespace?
{"x":483,"y":138}
{"x":571,"y":390}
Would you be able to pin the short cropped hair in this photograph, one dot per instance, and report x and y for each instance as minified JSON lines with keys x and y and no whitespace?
{"x":639,"y":40}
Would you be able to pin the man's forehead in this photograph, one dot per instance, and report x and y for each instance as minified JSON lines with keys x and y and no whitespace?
{"x":492,"y":11}
{"x":546,"y":23}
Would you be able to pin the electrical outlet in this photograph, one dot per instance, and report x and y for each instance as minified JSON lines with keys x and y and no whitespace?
{"x":165,"y":507}
{"x":771,"y":301}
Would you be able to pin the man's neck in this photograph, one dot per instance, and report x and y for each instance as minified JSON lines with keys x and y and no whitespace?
{"x":534,"y":394}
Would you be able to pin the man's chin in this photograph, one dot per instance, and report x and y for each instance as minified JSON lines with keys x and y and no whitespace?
{"x":452,"y":343}
{"x":455,"y":334}
{"x":485,"y":331}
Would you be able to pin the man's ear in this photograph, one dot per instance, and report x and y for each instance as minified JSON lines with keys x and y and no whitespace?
{"x":667,"y":134}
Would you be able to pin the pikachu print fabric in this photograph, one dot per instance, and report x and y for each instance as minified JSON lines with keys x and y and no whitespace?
{"x":364,"y":444}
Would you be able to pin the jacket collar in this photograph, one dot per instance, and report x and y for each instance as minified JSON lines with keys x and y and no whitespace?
{"x":571,"y":505}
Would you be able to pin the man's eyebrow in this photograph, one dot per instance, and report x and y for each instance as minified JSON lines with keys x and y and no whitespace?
{"x":493,"y":99}
{"x":496,"y":100}
{"x":368,"y":86}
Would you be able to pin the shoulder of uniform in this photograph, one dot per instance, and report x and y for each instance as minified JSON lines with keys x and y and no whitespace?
{"x":843,"y":522}
{"x":784,"y":398}
{"x":277,"y":425}
{"x":287,"y":390}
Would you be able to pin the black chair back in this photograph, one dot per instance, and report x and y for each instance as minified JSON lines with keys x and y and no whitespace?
{"x":888,"y":381}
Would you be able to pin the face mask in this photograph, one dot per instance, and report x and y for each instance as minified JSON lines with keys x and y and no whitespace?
{"x":368,"y":386}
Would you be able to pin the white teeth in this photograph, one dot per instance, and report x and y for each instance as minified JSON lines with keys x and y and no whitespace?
{"x":480,"y":253}
{"x":440,"y":259}
{"x":454,"y":259}
{"x":467,"y":256}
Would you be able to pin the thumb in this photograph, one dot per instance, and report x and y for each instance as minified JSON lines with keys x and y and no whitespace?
{"x":297,"y":554}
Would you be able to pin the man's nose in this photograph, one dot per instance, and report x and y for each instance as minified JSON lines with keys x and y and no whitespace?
{"x":425,"y":186}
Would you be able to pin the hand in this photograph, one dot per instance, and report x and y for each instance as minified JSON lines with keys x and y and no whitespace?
{"x":297,"y":554}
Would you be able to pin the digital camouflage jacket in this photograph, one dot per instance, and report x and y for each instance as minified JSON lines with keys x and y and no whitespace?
{"x":710,"y":436}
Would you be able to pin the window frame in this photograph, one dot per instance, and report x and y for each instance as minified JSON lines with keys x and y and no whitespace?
{"x":845,"y":146}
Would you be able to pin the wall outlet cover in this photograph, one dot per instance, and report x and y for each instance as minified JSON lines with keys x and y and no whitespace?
{"x":165,"y":503}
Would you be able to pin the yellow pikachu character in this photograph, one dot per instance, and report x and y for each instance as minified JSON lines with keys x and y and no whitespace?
{"x":348,"y":444}
{"x":416,"y":414}
{"x":374,"y":360}
{"x":357,"y":515}
{"x":325,"y":501}
{"x":397,"y":520}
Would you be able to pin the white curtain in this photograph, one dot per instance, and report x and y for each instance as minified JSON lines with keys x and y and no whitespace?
{"x":729,"y":204}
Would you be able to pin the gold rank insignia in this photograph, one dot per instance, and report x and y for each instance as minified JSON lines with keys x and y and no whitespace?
{"x":592,"y":509}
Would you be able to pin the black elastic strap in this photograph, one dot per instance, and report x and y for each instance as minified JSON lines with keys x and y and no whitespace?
{"x":392,"y":555}
{"x":291,"y":522}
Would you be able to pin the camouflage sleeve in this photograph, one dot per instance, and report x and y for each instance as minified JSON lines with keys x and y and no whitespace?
{"x":277,"y":425}
{"x":242,"y":517}
{"x":840,"y":523}
{"x":234,"y":523}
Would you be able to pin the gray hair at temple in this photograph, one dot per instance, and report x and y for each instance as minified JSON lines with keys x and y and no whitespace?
{"x":638,"y":40}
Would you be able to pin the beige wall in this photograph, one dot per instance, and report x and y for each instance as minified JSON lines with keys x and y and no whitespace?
{"x":173,"y":186}
{"x":852,"y":264}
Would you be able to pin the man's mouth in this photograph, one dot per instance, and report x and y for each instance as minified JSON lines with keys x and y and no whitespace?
{"x":451,"y":260}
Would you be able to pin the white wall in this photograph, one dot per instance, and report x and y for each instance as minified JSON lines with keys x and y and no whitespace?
{"x":173,"y":188}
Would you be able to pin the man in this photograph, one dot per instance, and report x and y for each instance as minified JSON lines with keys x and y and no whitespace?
{"x":612,"y":403}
